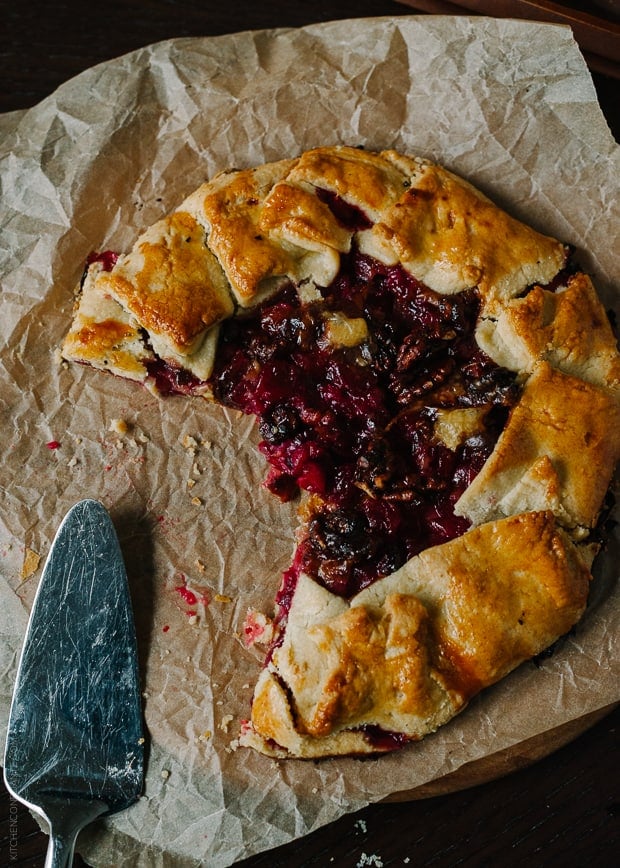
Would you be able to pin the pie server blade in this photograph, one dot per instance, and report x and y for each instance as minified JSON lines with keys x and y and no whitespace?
{"x":74,"y":748}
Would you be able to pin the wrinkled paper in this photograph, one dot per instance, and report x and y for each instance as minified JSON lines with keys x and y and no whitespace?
{"x":508,"y":104}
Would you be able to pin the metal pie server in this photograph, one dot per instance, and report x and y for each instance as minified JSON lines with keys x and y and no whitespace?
{"x":74,"y":749}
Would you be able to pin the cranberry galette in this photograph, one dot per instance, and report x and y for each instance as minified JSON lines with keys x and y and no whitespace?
{"x":439,"y":383}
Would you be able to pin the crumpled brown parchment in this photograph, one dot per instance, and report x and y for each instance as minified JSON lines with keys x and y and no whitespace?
{"x":511,"y":106}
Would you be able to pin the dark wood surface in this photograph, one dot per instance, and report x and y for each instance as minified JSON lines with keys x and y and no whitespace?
{"x":565,"y":809}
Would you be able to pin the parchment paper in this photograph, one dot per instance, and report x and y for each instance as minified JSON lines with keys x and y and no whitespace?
{"x":508,"y":104}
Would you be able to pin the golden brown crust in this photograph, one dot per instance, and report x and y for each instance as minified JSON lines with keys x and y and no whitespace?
{"x":231,"y":207}
{"x":372,"y":182}
{"x":103,"y":335}
{"x":568,"y":328}
{"x":171,"y":283}
{"x":557,"y":451}
{"x":451,"y":237}
{"x":408,"y":652}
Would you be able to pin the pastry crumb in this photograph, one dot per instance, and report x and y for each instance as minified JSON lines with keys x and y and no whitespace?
{"x":196,"y":501}
{"x":222,"y":598}
{"x":190,"y":442}
{"x":118,"y":426}
{"x":165,"y":774}
{"x":361,"y":825}
{"x":192,"y":619}
{"x":200,"y":566}
{"x":257,"y":628}
{"x":31,"y":564}
{"x":226,"y":721}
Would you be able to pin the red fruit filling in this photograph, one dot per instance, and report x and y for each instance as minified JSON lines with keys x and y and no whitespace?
{"x":107,"y":259}
{"x":354,"y":426}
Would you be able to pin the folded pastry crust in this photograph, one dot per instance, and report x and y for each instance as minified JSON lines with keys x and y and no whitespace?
{"x":403,"y":656}
{"x":569,"y":329}
{"x":407,"y":653}
{"x":555,"y":453}
{"x":235,"y":240}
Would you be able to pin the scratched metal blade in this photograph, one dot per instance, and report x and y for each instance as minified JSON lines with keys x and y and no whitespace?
{"x":75,"y":727}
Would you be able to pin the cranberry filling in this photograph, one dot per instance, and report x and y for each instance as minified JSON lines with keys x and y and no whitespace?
{"x":354,"y":426}
{"x":350,"y":216}
{"x":107,"y":258}
{"x":170,"y":380}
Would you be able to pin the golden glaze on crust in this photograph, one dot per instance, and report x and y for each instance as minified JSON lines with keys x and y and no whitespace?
{"x":557,"y":451}
{"x":371,"y":182}
{"x":408,"y":652}
{"x":104,"y":335}
{"x":230,"y":206}
{"x":451,"y":237}
{"x":240,"y":235}
{"x":171,"y":283}
{"x":568,"y":328}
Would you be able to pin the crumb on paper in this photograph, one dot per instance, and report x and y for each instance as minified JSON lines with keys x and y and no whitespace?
{"x":222,"y":598}
{"x":361,"y":825}
{"x":72,"y":462}
{"x":226,"y":721}
{"x":30,"y":564}
{"x":191,"y":483}
{"x":190,"y":442}
{"x":118,"y":426}
{"x":200,"y":566}
{"x":257,"y":628}
{"x":192,"y":619}
{"x":205,"y":736}
{"x":196,"y":501}
{"x":196,"y":471}
{"x":141,"y":740}
{"x":165,"y":774}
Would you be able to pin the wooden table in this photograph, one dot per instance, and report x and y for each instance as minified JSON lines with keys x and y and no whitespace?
{"x":562,"y":811}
